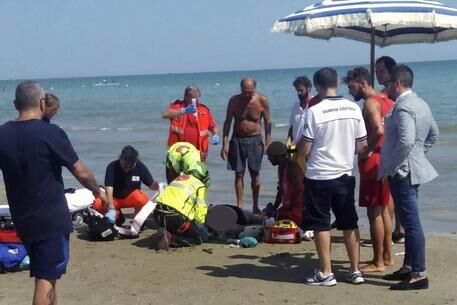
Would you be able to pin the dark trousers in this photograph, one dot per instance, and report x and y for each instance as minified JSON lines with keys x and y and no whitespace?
{"x":184,"y":232}
{"x":406,"y":200}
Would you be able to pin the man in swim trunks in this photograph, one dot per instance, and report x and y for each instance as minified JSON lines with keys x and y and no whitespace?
{"x":248,"y":109}
{"x":374,"y":194}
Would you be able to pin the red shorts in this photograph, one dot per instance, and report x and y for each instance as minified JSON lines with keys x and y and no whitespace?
{"x":136,"y":199}
{"x":372,"y":192}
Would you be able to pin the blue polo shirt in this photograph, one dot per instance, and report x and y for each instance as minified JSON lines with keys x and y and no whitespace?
{"x":32,"y":154}
{"x":124,"y":183}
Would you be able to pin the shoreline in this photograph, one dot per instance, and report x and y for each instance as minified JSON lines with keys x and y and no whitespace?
{"x":427,"y":222}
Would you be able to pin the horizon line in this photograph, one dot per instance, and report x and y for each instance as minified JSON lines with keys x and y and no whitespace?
{"x":209,"y":72}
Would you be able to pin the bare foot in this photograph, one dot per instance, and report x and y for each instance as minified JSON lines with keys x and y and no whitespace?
{"x":256,"y":211}
{"x":372,"y":268}
{"x":390,"y":262}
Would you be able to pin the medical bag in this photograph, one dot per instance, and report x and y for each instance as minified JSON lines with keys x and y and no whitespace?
{"x":282,"y":232}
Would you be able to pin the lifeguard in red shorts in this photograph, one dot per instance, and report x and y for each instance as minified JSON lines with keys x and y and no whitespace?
{"x":373,"y":194}
{"x":123,"y":181}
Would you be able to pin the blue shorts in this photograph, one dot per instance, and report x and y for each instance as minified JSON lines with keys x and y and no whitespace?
{"x":49,"y":257}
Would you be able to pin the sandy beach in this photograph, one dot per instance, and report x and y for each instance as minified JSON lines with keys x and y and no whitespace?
{"x":132,"y":271}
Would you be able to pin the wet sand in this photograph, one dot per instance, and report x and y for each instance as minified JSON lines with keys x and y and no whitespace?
{"x":133,"y":271}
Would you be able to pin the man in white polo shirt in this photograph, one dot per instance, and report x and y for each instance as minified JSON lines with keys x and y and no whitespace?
{"x":334,"y":131}
{"x":298,"y":114}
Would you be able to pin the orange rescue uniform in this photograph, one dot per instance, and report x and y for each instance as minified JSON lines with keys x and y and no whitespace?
{"x":179,"y":127}
{"x":136,"y":199}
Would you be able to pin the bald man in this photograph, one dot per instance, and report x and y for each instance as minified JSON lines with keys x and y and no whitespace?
{"x":248,"y":109}
{"x":31,"y":165}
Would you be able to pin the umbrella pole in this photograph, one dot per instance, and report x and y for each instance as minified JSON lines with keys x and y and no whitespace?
{"x":372,"y":55}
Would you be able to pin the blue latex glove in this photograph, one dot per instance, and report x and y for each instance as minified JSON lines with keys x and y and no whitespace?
{"x":111,"y":215}
{"x":191,"y":108}
{"x":216,"y":139}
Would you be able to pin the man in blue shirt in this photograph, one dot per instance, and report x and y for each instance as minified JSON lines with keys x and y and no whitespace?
{"x":32,"y":155}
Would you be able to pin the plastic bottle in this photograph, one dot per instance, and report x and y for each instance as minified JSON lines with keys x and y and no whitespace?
{"x":194,"y":102}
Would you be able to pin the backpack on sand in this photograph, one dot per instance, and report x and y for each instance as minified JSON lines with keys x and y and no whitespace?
{"x":98,"y":227}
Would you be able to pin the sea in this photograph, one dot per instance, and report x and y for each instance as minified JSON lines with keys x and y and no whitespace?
{"x":103,"y":114}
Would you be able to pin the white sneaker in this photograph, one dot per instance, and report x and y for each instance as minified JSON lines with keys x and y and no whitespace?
{"x":318,"y":279}
{"x":355,"y":278}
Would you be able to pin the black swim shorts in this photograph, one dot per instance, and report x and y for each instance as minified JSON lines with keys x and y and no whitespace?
{"x":337,"y":195}
{"x":242,"y":149}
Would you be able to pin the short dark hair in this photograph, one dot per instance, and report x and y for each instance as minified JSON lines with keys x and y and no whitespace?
{"x":404,"y":74}
{"x":248,"y":79}
{"x":358,"y":74}
{"x":388,"y":62}
{"x":27,"y":94}
{"x":325,"y":78}
{"x":302,"y":80}
{"x":51,"y":99}
{"x":129,"y":154}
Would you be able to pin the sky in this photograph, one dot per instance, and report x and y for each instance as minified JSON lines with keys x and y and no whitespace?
{"x":55,"y":38}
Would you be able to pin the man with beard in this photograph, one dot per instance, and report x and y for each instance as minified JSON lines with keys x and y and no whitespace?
{"x":373,"y":194}
{"x":411,"y":132}
{"x":298,"y":114}
{"x":248,"y":109}
{"x":383,"y":68}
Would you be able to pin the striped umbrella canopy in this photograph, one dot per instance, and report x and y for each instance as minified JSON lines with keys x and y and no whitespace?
{"x":378,"y":22}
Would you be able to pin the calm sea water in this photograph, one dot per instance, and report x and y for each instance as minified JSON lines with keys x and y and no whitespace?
{"x":100,"y":120}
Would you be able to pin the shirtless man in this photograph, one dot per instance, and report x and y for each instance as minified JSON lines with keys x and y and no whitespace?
{"x":374,"y":194}
{"x":248,"y":109}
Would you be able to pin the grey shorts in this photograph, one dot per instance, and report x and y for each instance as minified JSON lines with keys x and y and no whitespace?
{"x":242,"y":149}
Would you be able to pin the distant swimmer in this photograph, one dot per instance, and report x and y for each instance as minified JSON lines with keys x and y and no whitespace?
{"x":248,"y":109}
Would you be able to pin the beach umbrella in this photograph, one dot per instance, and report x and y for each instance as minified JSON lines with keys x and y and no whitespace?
{"x":378,"y":22}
